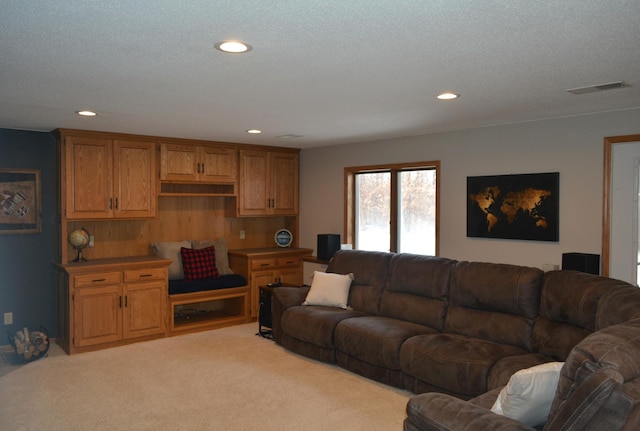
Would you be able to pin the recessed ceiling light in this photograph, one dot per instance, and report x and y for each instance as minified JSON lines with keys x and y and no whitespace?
{"x":448,"y":96}
{"x":233,"y":46}
{"x":86,"y":113}
{"x":254,"y":131}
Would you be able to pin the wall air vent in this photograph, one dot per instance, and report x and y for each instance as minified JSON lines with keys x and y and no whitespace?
{"x":600,"y":87}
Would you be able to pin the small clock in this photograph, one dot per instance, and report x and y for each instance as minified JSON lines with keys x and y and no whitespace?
{"x":283,"y":238}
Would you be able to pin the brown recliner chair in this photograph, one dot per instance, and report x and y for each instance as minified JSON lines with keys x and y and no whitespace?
{"x":598,"y":389}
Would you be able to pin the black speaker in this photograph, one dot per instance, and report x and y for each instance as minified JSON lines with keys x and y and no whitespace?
{"x":584,"y":262}
{"x":328,"y":243}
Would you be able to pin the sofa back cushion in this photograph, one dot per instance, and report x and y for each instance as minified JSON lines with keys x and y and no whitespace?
{"x":568,"y":310}
{"x":370,"y":269}
{"x":417,"y":289}
{"x":619,"y":304}
{"x":495,"y":302}
{"x":615,"y":348}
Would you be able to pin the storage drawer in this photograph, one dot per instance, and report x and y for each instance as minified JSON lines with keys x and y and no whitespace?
{"x":258,"y":264}
{"x":97,"y":279}
{"x":134,"y":275}
{"x":285,"y":262}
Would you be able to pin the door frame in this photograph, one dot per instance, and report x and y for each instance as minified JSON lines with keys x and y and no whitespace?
{"x":609,"y":142}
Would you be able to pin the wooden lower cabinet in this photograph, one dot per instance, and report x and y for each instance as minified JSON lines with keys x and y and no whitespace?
{"x":262,"y":266}
{"x":109,"y":302}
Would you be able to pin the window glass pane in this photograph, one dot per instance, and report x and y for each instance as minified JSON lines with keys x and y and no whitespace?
{"x":373,"y":205}
{"x":417,"y":212}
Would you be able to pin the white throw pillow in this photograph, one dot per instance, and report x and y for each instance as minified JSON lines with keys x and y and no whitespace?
{"x":171,"y":250}
{"x":529,"y":394}
{"x":329,"y":289}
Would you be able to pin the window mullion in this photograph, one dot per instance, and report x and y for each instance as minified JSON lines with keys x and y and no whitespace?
{"x":393,"y":217}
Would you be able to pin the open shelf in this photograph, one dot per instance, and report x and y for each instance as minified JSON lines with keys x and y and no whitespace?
{"x":173,"y":189}
{"x":207,"y":310}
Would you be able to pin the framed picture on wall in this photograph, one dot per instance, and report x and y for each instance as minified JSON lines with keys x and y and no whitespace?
{"x":20,"y":201}
{"x":524,"y":206}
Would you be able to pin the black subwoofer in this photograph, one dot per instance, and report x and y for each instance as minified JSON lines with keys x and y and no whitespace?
{"x":328,"y":243}
{"x":584,"y":262}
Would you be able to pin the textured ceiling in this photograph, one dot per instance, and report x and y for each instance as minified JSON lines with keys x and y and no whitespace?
{"x":331,"y":71}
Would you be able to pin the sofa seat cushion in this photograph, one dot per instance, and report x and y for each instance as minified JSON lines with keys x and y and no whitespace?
{"x":455,"y":363}
{"x":502,"y":370}
{"x":314,"y":324}
{"x":375,"y":339}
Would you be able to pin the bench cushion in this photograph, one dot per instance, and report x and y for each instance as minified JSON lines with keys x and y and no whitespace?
{"x":222,"y":282}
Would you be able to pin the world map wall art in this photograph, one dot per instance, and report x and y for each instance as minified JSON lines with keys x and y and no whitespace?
{"x":523,"y":206}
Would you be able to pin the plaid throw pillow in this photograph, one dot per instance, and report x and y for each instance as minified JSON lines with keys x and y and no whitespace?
{"x":199,"y":264}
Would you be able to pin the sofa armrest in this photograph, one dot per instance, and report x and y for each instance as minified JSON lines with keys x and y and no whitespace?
{"x":442,"y":412}
{"x":281,"y":299}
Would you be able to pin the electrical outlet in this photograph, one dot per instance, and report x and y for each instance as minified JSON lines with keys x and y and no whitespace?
{"x":91,"y":243}
{"x":243,"y":234}
{"x":8,"y":318}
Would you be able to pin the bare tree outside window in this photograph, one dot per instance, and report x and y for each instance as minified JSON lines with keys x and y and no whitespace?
{"x":393,"y":208}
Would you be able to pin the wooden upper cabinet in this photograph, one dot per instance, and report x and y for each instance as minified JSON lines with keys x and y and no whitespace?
{"x":109,"y":179}
{"x":268,"y":183}
{"x":284,"y":178}
{"x":89,"y":185}
{"x":135,"y":182}
{"x":198,"y":164}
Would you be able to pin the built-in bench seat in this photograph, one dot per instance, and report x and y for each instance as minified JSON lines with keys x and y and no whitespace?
{"x":207,"y":304}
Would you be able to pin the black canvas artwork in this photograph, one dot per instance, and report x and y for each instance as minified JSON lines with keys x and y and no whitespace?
{"x":524,"y":206}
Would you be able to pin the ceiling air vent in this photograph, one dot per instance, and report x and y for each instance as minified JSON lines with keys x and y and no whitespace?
{"x":600,"y":87}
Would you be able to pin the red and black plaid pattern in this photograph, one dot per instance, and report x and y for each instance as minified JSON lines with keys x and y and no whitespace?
{"x":199,"y":264}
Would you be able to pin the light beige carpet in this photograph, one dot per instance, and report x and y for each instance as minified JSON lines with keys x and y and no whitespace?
{"x":226,"y":379}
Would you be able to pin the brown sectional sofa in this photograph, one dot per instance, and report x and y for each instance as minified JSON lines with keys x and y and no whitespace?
{"x":456,"y":331}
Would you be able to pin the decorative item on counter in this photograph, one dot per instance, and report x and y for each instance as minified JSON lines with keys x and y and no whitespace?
{"x":283,"y":238}
{"x":79,"y":239}
{"x":30,"y":345}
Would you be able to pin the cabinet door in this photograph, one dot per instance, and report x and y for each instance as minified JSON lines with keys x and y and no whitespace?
{"x":218,"y":165}
{"x":98,"y":315}
{"x":134,"y":179}
{"x":144,"y":309}
{"x":253,"y":195}
{"x":88,"y":182}
{"x":179,"y":163}
{"x":284,"y":183}
{"x":292,"y":276}
{"x":259,"y":278}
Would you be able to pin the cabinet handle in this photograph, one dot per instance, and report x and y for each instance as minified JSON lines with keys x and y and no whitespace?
{"x":98,"y":280}
{"x":198,"y":168}
{"x":110,"y":203}
{"x":120,"y":299}
{"x":264,"y":264}
{"x":126,"y":301}
{"x":145,"y":275}
{"x":116,"y":203}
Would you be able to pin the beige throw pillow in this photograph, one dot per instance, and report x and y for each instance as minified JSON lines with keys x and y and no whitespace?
{"x":171,"y":250}
{"x":329,"y":289}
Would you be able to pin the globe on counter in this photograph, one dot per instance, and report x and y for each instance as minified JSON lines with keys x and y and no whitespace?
{"x":79,"y":239}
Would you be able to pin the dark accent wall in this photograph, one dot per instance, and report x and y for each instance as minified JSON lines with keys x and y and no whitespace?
{"x":26,"y":273}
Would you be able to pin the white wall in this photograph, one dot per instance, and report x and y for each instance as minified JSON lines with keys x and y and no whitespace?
{"x":572,"y":146}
